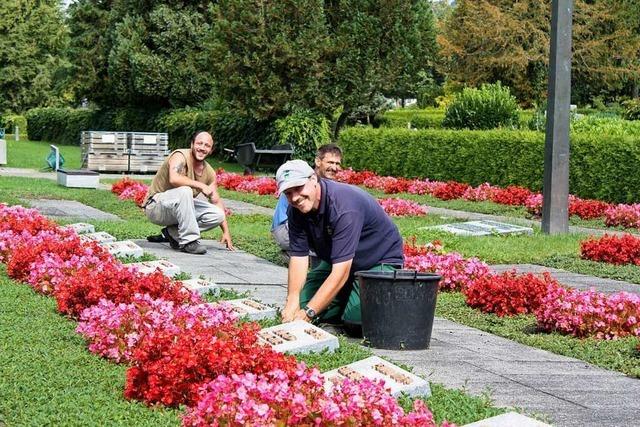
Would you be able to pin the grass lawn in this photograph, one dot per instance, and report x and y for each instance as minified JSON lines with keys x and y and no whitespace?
{"x":32,"y":154}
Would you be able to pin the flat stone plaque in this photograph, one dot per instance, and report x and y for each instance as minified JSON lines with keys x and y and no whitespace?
{"x":123,"y":248}
{"x":81,"y":227}
{"x":508,"y":420}
{"x":78,"y":178}
{"x":100,"y":237}
{"x":146,"y":267}
{"x":396,"y":379}
{"x":298,"y":337}
{"x":253,"y":310}
{"x":201,"y":286}
{"x":482,"y":228}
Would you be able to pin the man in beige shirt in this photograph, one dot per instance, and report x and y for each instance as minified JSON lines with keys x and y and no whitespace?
{"x":183,"y":197}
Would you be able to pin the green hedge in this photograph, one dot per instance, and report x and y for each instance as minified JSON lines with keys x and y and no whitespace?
{"x":419,"y":118}
{"x":9,"y":121}
{"x":63,"y":125}
{"x":604,"y":168}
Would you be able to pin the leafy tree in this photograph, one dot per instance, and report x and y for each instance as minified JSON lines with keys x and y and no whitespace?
{"x":32,"y":42}
{"x":491,"y":40}
{"x":269,"y":56}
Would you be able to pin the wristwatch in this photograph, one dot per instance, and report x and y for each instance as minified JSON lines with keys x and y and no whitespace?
{"x":310,"y":312}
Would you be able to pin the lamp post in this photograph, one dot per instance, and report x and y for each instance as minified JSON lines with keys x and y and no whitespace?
{"x":555,"y":209}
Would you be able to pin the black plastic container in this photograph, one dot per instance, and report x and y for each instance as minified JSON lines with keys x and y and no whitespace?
{"x":398,"y":308}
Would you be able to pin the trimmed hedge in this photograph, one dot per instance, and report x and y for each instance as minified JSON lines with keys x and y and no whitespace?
{"x":9,"y":121}
{"x":601,"y":167}
{"x":63,"y":125}
{"x":429,"y":118}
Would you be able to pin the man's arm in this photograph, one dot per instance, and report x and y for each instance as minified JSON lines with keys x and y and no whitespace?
{"x":178,"y":174}
{"x":215,"y":198}
{"x":298,"y":266}
{"x":328,"y":290}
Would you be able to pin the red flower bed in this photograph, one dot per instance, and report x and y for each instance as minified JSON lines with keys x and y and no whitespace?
{"x":512,"y":195}
{"x":169,"y":369}
{"x":116,"y":283}
{"x":612,"y":249}
{"x":449,"y":190}
{"x":587,"y":208}
{"x":349,"y":176}
{"x":508,"y":294}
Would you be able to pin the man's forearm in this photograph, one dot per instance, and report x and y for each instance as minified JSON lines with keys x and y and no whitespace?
{"x":331,"y":286}
{"x":183,"y":181}
{"x":297,"y":275}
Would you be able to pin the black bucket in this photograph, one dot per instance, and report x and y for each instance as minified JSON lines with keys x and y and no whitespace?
{"x":398,"y":308}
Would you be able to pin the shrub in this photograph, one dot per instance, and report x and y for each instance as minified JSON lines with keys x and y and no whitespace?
{"x":9,"y":121}
{"x":304,"y":131}
{"x":632,"y":109}
{"x":417,"y":118}
{"x":601,"y":168}
{"x":489,"y":107}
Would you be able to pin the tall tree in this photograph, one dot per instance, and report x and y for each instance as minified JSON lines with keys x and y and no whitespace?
{"x":33,"y":39}
{"x":490,"y":40}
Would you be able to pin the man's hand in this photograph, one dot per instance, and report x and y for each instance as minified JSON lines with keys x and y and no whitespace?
{"x":226,"y":240}
{"x":208,"y":190}
{"x":290,"y":310}
{"x":301,"y":315}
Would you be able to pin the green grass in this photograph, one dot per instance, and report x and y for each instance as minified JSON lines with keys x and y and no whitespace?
{"x":32,"y":154}
{"x":49,"y":378}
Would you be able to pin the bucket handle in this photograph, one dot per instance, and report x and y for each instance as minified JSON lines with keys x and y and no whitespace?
{"x":415,"y":275}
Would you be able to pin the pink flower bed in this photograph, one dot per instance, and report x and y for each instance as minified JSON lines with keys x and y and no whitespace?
{"x":627,"y":216}
{"x":590,"y":313}
{"x":401,"y":207}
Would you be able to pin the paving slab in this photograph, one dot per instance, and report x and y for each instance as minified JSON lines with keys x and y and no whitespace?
{"x":510,"y":419}
{"x":574,"y":280}
{"x":243,"y":208}
{"x":70,"y":209}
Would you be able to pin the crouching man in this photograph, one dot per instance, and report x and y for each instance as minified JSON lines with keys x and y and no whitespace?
{"x":348,"y":230}
{"x":183,"y":197}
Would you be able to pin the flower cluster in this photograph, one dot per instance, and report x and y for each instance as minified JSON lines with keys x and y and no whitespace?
{"x":582,"y":208}
{"x":388,"y":184}
{"x":349,"y":176}
{"x":512,"y":195}
{"x":401,"y":207}
{"x":275,"y":399}
{"x":627,"y":216}
{"x":114,"y":330}
{"x":246,"y":183}
{"x":480,"y":193}
{"x":449,"y":190}
{"x":590,"y":313}
{"x":623,"y":249}
{"x":508,"y":294}
{"x":457,"y":272}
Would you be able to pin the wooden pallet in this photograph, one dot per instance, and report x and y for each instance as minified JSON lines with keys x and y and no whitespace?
{"x":107,"y":151}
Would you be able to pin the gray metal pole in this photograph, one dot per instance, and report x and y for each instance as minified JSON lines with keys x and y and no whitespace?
{"x":555,"y":210}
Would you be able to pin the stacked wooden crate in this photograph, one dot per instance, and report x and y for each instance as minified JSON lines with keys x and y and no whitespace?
{"x":106,"y":151}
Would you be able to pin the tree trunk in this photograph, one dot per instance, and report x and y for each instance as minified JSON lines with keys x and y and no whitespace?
{"x":342,"y":119}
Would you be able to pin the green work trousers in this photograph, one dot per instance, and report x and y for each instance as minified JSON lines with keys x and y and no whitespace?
{"x":345,"y":307}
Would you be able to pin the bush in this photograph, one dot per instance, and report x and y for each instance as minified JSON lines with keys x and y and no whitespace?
{"x":64,"y":125}
{"x":632,"y":109}
{"x":603,"y":168}
{"x":305,"y":131}
{"x":489,"y":107}
{"x":9,"y":121}
{"x":418,"y":118}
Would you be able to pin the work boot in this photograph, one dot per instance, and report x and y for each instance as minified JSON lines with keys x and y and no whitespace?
{"x":157,"y":238}
{"x":194,"y":248}
{"x":172,"y":242}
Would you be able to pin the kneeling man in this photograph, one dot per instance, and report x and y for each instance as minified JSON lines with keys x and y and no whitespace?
{"x":348,"y":230}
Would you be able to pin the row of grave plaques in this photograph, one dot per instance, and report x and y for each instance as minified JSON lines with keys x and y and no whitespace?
{"x":297,"y":337}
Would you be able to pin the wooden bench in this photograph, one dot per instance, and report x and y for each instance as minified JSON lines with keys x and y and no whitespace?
{"x":252,"y":158}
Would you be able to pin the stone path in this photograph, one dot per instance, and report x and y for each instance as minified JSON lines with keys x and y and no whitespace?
{"x":70,"y":209}
{"x":565,"y":391}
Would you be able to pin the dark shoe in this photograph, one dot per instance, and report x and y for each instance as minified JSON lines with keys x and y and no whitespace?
{"x":172,"y":242}
{"x":157,"y":238}
{"x":194,"y":248}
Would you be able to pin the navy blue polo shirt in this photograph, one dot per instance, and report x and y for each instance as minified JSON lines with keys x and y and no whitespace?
{"x":349,"y":224}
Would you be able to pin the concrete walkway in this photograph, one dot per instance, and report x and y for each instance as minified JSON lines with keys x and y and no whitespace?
{"x":564,"y":391}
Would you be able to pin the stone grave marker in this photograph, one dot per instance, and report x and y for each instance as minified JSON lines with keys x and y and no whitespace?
{"x":81,"y":227}
{"x":253,"y":310}
{"x":298,"y":337}
{"x":201,"y":286}
{"x":146,"y":267}
{"x":123,"y":248}
{"x":396,"y":379}
{"x":482,"y":228}
{"x":99,"y":237}
{"x":508,"y":419}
